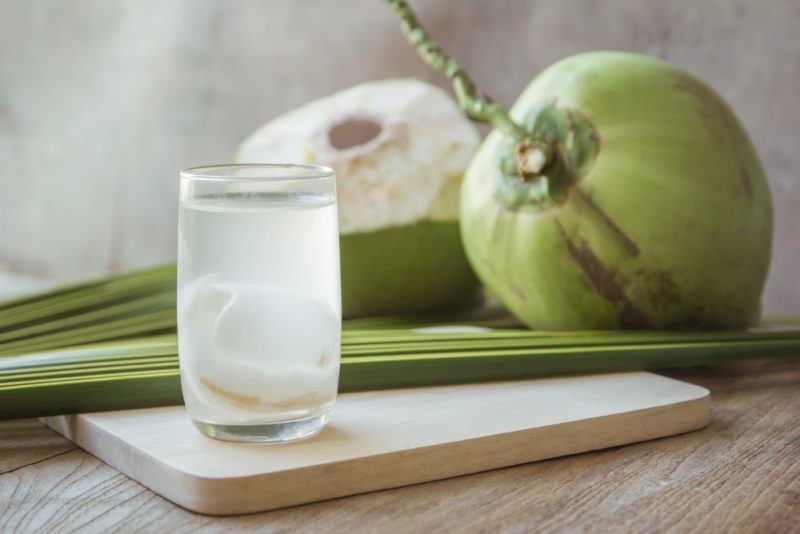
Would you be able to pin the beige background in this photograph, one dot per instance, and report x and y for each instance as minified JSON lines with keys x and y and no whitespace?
{"x":103,"y":101}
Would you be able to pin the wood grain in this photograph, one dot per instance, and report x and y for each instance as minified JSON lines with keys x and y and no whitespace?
{"x":386,"y":439}
{"x":740,"y":474}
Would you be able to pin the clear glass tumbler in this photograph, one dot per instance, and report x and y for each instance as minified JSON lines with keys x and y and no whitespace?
{"x":259,"y":300}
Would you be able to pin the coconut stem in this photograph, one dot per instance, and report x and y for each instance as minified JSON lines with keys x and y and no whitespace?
{"x":534,"y":152}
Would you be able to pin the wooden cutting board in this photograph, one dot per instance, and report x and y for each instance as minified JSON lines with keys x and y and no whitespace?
{"x":385,"y":439}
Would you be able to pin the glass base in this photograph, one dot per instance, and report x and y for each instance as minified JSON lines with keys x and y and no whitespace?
{"x":266,"y":432}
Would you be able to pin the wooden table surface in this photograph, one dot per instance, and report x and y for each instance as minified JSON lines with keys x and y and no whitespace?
{"x":740,"y":474}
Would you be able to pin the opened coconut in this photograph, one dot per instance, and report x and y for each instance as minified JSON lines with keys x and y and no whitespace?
{"x":399,"y":149}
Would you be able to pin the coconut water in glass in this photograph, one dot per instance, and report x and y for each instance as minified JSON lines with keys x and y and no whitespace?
{"x":259,"y":305}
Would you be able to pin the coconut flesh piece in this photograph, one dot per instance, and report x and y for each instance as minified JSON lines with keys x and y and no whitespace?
{"x":399,"y":149}
{"x":251,"y":352}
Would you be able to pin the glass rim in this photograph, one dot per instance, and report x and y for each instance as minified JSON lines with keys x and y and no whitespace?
{"x":294,"y":172}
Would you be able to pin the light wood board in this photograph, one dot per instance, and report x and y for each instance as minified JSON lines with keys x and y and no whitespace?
{"x":384,"y":439}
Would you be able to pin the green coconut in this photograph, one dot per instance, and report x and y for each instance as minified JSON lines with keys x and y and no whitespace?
{"x":399,"y":148}
{"x":620,"y":192}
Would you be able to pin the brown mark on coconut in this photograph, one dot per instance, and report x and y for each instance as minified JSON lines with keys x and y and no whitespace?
{"x":595,"y":137}
{"x":659,"y":287}
{"x":746,"y":179}
{"x":711,"y":111}
{"x":628,"y":244}
{"x":603,"y":281}
{"x":687,"y":85}
{"x":514,"y":288}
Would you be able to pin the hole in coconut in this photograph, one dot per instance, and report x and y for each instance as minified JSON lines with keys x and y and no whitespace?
{"x":353,"y":132}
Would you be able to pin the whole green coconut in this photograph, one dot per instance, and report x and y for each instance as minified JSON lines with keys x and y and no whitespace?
{"x":657,"y":214}
{"x":619,"y":192}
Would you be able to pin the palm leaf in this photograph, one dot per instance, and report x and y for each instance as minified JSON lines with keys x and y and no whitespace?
{"x":110,"y":344}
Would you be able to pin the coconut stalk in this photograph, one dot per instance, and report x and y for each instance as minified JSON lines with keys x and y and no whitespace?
{"x":532,"y":151}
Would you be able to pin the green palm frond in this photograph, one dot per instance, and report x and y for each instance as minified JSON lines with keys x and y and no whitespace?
{"x":110,"y":344}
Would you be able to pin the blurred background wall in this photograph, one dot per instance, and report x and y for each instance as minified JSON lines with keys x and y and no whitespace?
{"x":102,"y":102}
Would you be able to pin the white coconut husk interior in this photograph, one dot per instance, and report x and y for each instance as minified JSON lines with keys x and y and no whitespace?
{"x":399,"y":148}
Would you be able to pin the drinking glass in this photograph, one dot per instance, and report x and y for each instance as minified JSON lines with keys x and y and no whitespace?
{"x":259,"y":300}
